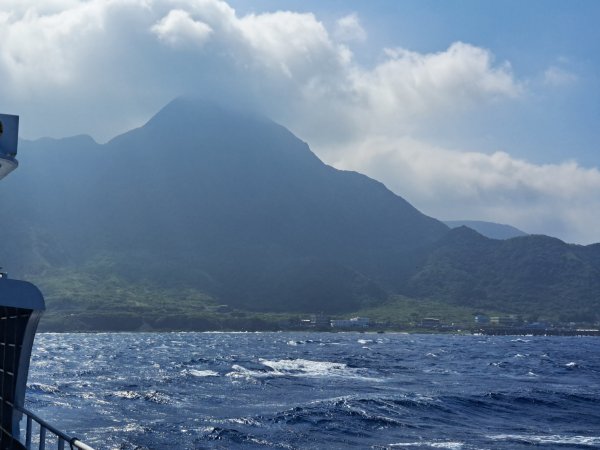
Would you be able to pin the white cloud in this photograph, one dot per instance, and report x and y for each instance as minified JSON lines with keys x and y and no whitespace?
{"x":556,"y":199}
{"x":557,"y":77}
{"x":44,"y":45}
{"x":178,"y":28}
{"x":39,"y":49}
{"x":47,"y":47}
{"x":288,"y":44}
{"x":103,"y":66}
{"x":349,"y":29}
{"x":408,"y":88}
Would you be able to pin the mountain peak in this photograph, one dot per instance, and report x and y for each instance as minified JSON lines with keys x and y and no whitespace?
{"x":192,"y":112}
{"x":229,"y":204}
{"x":488,"y":229}
{"x":182,"y":107}
{"x":464,"y":234}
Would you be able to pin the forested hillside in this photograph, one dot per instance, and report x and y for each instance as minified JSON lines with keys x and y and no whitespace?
{"x":203,"y":207}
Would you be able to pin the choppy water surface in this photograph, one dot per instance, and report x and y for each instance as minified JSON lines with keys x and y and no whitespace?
{"x":318,"y":390}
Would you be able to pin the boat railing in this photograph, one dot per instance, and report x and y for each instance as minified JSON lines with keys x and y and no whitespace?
{"x":62,"y":438}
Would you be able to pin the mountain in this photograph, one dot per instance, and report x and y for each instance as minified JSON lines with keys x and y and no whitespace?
{"x":205,"y":213}
{"x":488,"y":229}
{"x":536,"y":276}
{"x":227,"y":203}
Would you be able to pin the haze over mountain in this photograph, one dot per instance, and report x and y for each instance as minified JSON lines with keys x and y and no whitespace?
{"x":488,"y":229}
{"x":207,"y":204}
{"x":225,"y":202}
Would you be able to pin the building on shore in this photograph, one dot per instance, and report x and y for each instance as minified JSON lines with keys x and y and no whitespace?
{"x":482,"y":319}
{"x":355,"y":322}
{"x":430,"y":322}
{"x":320,"y":321}
{"x":506,"y":321}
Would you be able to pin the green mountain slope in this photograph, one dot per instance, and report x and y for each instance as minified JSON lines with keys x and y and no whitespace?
{"x":204,"y":207}
{"x":532,"y":275}
{"x":231,"y":205}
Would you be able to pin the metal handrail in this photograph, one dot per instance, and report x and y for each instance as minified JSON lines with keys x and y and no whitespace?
{"x":63,"y":438}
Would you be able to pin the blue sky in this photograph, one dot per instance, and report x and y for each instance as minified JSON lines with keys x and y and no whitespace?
{"x":468,"y":109}
{"x":551,"y":124}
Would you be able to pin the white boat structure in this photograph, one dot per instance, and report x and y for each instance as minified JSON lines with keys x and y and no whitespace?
{"x":21,"y":306}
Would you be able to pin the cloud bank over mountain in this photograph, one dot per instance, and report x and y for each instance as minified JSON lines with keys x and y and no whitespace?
{"x":557,"y":199}
{"x":103,"y":66}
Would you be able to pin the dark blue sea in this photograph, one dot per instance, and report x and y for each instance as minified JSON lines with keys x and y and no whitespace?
{"x":319,"y":390}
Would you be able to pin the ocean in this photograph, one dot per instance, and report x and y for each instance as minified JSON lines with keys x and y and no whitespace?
{"x":318,"y":390}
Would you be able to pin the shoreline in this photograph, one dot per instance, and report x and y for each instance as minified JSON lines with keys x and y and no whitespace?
{"x":474,"y":332}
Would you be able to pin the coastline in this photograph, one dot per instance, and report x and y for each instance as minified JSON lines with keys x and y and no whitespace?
{"x":560,"y":332}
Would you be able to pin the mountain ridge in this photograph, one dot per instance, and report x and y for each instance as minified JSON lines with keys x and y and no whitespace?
{"x":232,"y":195}
{"x":207,"y":206}
{"x":491,"y":230}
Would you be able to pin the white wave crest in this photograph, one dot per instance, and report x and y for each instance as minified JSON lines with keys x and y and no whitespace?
{"x":45,"y":388}
{"x":591,"y":441}
{"x":299,"y":368}
{"x":447,"y":445}
{"x":305,"y":367}
{"x":200,"y":373}
{"x":131,"y":395}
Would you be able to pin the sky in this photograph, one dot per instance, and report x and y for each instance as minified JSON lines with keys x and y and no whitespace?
{"x":467,"y":109}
